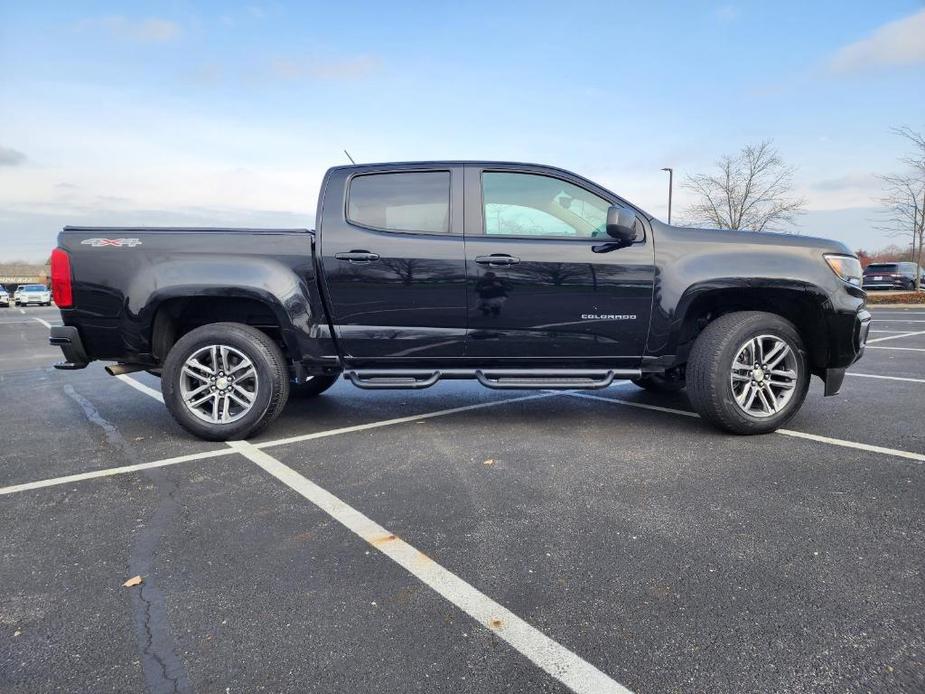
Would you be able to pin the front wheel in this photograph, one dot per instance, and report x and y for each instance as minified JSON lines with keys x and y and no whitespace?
{"x":225,"y":381}
{"x":748,"y":372}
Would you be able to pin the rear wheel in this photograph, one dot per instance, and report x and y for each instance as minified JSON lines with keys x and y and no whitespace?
{"x":748,"y":372}
{"x":312,"y":386}
{"x":225,"y":381}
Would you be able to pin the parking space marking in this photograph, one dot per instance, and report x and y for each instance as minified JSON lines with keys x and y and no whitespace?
{"x":109,"y":472}
{"x":152,"y":393}
{"x":899,"y":320}
{"x":399,"y":420}
{"x":919,"y":457}
{"x":888,"y":378}
{"x":561,"y":663}
{"x":43,"y":322}
{"x":896,"y":337}
{"x":905,"y":349}
{"x":22,"y":311}
{"x":138,"y":385}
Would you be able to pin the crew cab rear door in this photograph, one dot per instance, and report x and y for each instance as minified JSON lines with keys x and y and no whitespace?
{"x":392,"y":252}
{"x":545,"y":283}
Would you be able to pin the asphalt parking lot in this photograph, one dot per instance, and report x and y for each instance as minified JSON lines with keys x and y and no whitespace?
{"x":461,"y":540}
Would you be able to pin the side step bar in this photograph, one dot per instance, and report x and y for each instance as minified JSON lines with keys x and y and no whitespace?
{"x":520,"y":379}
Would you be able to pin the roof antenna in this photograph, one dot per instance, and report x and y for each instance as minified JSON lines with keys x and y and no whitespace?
{"x":349,"y":157}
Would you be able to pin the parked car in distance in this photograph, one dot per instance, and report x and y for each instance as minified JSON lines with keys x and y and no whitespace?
{"x":17,"y":292}
{"x":34,"y":294}
{"x":514,"y":275}
{"x":896,"y":275}
{"x":4,"y":297}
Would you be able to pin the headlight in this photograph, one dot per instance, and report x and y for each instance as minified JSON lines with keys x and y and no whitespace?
{"x":846,"y":267}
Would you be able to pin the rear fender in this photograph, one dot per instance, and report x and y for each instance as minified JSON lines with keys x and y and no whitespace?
{"x":292,"y":298}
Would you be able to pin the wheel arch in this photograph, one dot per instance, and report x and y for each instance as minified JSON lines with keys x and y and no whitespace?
{"x":167,"y":299}
{"x":803,"y":304}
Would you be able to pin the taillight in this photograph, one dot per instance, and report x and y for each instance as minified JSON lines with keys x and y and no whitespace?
{"x":61,"y":278}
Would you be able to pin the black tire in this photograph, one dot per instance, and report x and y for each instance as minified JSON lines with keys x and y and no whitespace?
{"x":659,"y":383}
{"x":711,"y":360}
{"x":272,"y":380}
{"x":312,"y":387}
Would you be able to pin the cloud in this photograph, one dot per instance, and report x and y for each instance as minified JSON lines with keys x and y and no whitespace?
{"x":151,"y":30}
{"x":353,"y":68}
{"x":857,"y":181}
{"x":901,"y":42}
{"x":726,"y":13}
{"x":11,"y":157}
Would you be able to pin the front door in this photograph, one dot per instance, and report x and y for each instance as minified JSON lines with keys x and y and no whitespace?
{"x":393,"y":263}
{"x":545,"y":286}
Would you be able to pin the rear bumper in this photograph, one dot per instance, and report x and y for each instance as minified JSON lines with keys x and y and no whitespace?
{"x":68,"y":339}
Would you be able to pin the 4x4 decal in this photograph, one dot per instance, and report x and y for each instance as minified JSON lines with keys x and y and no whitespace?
{"x":115,"y":243}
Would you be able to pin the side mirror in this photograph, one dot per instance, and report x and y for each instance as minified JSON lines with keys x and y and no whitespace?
{"x":621,"y":224}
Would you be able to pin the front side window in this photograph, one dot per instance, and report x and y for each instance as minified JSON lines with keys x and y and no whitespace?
{"x":411,"y":201}
{"x":520,"y":204}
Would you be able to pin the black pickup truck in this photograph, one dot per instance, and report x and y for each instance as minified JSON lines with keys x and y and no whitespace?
{"x":517,"y":275}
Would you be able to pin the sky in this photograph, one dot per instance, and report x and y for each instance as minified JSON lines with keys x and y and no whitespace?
{"x":214,"y":113}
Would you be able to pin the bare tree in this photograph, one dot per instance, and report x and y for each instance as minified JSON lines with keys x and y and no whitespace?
{"x":904,"y":198}
{"x":752,"y":191}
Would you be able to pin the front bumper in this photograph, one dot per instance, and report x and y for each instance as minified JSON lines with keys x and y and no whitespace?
{"x":849,"y":338}
{"x":68,"y":339}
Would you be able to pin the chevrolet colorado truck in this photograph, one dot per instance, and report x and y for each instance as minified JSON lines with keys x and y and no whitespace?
{"x":515,"y":275}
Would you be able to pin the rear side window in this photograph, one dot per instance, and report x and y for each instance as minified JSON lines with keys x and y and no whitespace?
{"x":412,"y":201}
{"x":882,"y":267}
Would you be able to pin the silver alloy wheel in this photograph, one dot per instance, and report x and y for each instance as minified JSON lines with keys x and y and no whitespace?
{"x":764,"y":375}
{"x":218,"y":384}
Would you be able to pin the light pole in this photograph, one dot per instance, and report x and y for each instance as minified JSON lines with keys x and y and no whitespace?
{"x":670,"y":186}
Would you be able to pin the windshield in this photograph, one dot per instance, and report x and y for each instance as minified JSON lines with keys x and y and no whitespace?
{"x":882,"y":267}
{"x":36,"y":288}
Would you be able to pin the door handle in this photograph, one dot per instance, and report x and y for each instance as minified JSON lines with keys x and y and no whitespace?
{"x":357,"y":256}
{"x":496,"y":260}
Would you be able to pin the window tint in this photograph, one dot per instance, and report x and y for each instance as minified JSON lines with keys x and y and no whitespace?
{"x":414,"y":201}
{"x":883,"y":267}
{"x":517,"y":204}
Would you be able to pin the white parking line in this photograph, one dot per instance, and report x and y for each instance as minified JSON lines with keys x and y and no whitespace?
{"x":561,"y":663}
{"x":43,"y":322}
{"x":138,"y":385}
{"x":903,"y":349}
{"x":898,"y":320}
{"x":152,"y":393}
{"x":888,"y":378}
{"x":786,"y":432}
{"x":896,"y":337}
{"x":22,"y":311}
{"x":399,"y":420}
{"x":109,"y":472}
